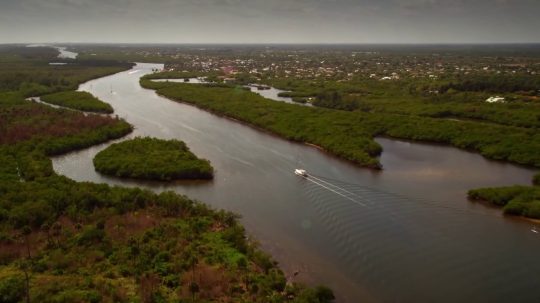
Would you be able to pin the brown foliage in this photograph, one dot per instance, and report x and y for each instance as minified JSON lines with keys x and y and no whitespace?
{"x":31,"y":120}
{"x":213,"y":283}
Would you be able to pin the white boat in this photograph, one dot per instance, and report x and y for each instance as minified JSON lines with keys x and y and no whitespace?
{"x":301,"y":172}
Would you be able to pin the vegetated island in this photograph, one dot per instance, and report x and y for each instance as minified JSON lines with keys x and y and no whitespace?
{"x":78,"y":100}
{"x":515,"y":200}
{"x":152,"y":159}
{"x":67,"y":241}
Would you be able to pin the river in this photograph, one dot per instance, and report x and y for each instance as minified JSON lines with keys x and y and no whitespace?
{"x":65,"y":54}
{"x":405,"y":234}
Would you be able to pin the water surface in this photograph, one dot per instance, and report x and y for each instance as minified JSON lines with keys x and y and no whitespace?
{"x":271,"y":93}
{"x":65,"y":54}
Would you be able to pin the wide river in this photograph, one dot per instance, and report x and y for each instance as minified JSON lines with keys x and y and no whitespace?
{"x":404,"y":234}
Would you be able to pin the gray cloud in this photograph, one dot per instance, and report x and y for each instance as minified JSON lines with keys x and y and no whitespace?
{"x":261,"y":21}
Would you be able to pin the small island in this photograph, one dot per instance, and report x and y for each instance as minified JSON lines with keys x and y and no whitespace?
{"x":152,"y":159}
{"x":82,"y":101}
{"x":515,"y":200}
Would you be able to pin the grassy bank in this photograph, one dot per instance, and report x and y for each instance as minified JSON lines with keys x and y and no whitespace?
{"x":152,"y":159}
{"x":78,"y":100}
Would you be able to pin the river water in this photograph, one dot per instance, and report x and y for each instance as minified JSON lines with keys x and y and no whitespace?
{"x":406,"y":234}
{"x":65,"y":54}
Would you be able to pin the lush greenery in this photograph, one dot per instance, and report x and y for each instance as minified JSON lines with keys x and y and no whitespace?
{"x":515,"y":200}
{"x":53,"y":131}
{"x":64,"y":241}
{"x":153,"y":159}
{"x":495,"y":83}
{"x":419,"y":98}
{"x":350,"y":134}
{"x":78,"y":100}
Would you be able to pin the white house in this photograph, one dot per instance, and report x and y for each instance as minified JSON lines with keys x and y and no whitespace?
{"x":495,"y":99}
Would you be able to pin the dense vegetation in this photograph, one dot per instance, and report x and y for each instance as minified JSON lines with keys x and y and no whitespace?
{"x":51,"y":130}
{"x":515,"y":200}
{"x":349,"y":134}
{"x":83,"y":242}
{"x":78,"y":100}
{"x":153,"y":159}
{"x":417,"y":97}
{"x":65,"y":241}
{"x":495,"y":83}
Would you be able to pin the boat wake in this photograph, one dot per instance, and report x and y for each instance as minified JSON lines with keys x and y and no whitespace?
{"x":331,"y":187}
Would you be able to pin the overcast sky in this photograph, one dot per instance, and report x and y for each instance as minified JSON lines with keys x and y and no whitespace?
{"x":270,"y":21}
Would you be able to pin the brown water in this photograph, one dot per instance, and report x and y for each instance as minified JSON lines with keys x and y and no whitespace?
{"x":406,"y":234}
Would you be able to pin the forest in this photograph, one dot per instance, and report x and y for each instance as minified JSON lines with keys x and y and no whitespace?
{"x":495,"y":83}
{"x":418,"y":97}
{"x":67,"y":241}
{"x":152,"y":159}
{"x":78,"y":100}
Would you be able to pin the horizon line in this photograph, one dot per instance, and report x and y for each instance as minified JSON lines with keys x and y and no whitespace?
{"x":282,"y":43}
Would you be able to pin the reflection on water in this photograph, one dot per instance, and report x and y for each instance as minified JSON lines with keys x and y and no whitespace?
{"x":273,"y":94}
{"x":186,"y":80}
{"x":412,"y":236}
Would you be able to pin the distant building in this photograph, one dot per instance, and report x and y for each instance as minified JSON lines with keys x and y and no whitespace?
{"x":495,"y":99}
{"x":229,"y":70}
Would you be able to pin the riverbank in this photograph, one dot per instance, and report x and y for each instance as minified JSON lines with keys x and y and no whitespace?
{"x":78,"y":100}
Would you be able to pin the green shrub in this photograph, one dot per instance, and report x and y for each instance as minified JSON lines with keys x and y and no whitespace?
{"x":12,"y":289}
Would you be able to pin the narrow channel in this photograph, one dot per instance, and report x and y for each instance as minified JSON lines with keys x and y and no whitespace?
{"x":413,"y":238}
